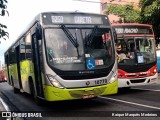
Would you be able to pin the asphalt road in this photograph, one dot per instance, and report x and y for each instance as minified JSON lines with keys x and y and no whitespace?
{"x":141,"y":102}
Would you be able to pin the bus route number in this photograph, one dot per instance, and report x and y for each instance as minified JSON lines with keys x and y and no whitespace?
{"x":100,"y":82}
{"x":57,"y":19}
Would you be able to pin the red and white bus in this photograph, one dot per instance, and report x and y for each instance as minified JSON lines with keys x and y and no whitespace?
{"x":2,"y":76}
{"x":138,"y":63}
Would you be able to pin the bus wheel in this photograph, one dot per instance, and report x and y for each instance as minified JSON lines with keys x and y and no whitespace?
{"x":12,"y":83}
{"x":37,"y":100}
{"x":16,"y":91}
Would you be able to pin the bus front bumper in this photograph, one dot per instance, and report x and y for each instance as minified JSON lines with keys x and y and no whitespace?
{"x":56,"y":94}
{"x":129,"y":82}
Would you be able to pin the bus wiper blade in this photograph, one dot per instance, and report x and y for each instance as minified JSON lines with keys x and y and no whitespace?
{"x":70,"y":36}
{"x":91,"y":36}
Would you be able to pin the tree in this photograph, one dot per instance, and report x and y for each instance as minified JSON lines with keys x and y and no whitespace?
{"x":3,"y":12}
{"x":127,"y":12}
{"x":150,"y":13}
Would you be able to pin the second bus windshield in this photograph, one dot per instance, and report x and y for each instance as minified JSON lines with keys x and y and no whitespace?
{"x":79,"y":48}
{"x":136,"y":50}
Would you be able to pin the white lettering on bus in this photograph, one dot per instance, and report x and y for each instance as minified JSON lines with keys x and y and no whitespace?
{"x":65,"y":58}
{"x":130,"y":30}
{"x":119,"y":30}
{"x":126,"y":30}
{"x":80,"y":19}
{"x":57,"y":19}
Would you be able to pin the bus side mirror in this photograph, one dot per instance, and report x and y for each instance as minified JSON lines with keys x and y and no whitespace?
{"x":38,"y":32}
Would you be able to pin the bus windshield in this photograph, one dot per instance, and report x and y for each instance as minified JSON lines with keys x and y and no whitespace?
{"x":136,"y":50}
{"x":79,"y":48}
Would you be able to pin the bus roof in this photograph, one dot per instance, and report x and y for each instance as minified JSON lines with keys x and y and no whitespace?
{"x":136,"y":24}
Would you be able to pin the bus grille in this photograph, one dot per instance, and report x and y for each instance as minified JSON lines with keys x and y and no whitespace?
{"x":76,"y":76}
{"x":89,"y":76}
{"x":136,"y":68}
{"x":138,"y":81}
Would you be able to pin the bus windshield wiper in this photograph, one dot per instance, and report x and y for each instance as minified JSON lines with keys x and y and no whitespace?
{"x":91,"y":36}
{"x":71,"y":38}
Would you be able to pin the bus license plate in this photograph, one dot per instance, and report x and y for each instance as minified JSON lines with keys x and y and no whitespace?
{"x":87,"y":96}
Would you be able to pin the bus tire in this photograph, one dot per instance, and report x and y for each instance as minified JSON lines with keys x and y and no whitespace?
{"x":16,"y":90}
{"x":37,"y":100}
{"x":12,"y":83}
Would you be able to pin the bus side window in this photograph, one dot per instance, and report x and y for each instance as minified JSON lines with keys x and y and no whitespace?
{"x":6,"y":59}
{"x":28,"y":46}
{"x":22,"y":49}
{"x":12,"y":56}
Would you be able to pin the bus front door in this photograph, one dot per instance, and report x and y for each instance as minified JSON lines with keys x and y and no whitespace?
{"x":18,"y":66}
{"x":36,"y":55}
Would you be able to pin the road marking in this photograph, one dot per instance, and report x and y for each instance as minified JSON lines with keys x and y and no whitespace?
{"x":4,"y":104}
{"x":147,"y":106}
{"x":146,"y":89}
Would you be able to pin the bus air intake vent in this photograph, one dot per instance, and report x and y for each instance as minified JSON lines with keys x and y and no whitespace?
{"x":138,"y":81}
{"x":136,"y":68}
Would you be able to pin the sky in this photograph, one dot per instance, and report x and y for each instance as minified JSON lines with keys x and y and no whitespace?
{"x":21,"y":13}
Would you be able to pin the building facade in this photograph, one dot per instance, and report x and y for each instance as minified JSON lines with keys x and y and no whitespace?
{"x":113,"y":18}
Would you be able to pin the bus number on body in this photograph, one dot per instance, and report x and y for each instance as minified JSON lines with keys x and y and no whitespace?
{"x":100,"y":82}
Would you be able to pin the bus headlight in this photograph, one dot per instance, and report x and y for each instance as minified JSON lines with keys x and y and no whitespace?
{"x":113,"y":78}
{"x":54,"y":82}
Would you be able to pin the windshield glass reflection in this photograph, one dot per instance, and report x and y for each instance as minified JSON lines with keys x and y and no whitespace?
{"x":137,"y":50}
{"x":76,"y":48}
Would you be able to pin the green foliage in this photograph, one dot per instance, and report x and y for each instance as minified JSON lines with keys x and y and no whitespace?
{"x":3,"y":12}
{"x":150,"y":13}
{"x":3,"y":33}
{"x":150,"y":9}
{"x":127,"y":12}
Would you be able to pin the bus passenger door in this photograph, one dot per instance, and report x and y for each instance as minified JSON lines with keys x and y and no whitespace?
{"x":18,"y":65}
{"x":36,"y":47}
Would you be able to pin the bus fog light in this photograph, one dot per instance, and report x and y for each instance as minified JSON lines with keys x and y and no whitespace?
{"x":54,"y":82}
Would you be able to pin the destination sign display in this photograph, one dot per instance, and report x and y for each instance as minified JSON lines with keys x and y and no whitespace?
{"x":73,"y":18}
{"x":133,"y":29}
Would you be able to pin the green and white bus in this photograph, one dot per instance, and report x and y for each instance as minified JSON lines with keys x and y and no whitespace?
{"x":64,"y":56}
